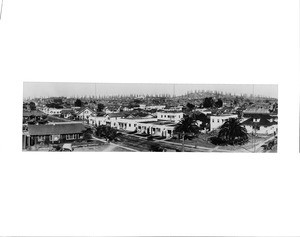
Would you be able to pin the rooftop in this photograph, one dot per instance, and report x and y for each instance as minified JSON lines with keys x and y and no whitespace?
{"x":262,"y":122}
{"x":55,"y":129}
{"x":160,"y":122}
{"x":223,"y":115}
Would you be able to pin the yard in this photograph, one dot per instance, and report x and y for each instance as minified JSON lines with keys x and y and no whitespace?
{"x":203,"y":141}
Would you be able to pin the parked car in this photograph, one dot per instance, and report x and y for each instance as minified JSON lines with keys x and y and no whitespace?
{"x":67,"y":147}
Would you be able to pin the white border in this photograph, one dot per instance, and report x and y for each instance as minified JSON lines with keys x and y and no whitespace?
{"x":215,"y":41}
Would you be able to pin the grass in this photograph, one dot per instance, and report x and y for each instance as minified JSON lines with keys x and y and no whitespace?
{"x":200,"y":141}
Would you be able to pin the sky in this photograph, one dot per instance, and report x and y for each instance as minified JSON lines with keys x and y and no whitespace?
{"x":68,"y":89}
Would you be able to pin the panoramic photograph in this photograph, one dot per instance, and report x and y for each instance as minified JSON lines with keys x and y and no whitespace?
{"x":148,"y":117}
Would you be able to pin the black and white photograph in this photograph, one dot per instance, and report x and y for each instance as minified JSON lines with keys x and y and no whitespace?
{"x":149,"y":117}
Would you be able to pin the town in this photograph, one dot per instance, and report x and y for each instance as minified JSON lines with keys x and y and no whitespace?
{"x":195,"y":121}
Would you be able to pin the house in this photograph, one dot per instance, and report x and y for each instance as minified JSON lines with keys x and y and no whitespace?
{"x":105,"y":119}
{"x":217,"y":121}
{"x":157,"y":107}
{"x":123,"y":121}
{"x":53,"y":133}
{"x":51,"y":111}
{"x":170,"y":116}
{"x":67,"y":113}
{"x":172,"y":108}
{"x":257,"y":110}
{"x":84,"y":113}
{"x":156,"y":128}
{"x":142,"y":106}
{"x":204,"y":111}
{"x":130,"y":123}
{"x":36,"y":114}
{"x":142,"y":123}
{"x":260,"y":125}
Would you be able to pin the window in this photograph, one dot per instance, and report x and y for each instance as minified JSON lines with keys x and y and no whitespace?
{"x":70,"y":136}
{"x":41,"y":138}
{"x":129,"y":124}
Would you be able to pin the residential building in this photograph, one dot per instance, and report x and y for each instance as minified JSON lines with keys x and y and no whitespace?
{"x":67,"y":113}
{"x":52,"y":133}
{"x":217,"y":121}
{"x":170,"y":116}
{"x":84,"y":113}
{"x":260,"y":125}
{"x":156,"y":128}
{"x":51,"y":111}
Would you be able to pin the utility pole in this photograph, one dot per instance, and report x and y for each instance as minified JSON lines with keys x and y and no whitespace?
{"x":254,"y":136}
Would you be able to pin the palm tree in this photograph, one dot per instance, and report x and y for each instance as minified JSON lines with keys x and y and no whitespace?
{"x":186,"y":127}
{"x":232,"y":131}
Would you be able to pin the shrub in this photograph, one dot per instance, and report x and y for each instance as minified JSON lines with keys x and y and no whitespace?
{"x":156,"y":148}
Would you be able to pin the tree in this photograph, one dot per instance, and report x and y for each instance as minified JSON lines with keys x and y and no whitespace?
{"x":109,"y":133}
{"x":190,"y":106}
{"x":186,"y":128}
{"x":87,"y":134}
{"x":232,"y":132}
{"x":100,"y":107}
{"x":154,"y":147}
{"x":32,"y":106}
{"x":219,"y":103}
{"x":78,"y":103}
{"x":208,"y":102}
{"x":204,"y":119}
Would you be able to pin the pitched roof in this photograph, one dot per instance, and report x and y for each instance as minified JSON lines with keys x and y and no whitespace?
{"x":83,"y":109}
{"x":266,"y":116}
{"x":67,"y":111}
{"x":56,"y":129}
{"x":112,"y":115}
{"x":262,"y":122}
{"x":256,"y":110}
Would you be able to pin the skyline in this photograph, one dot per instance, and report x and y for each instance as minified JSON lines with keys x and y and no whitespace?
{"x":76,"y":89}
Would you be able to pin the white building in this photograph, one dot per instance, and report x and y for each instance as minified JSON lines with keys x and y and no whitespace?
{"x":170,"y":116}
{"x":217,"y":121}
{"x":142,"y":106}
{"x":156,"y":128}
{"x":85,"y":113}
{"x":51,"y":111}
{"x":97,"y":120}
{"x":158,"y":107}
{"x":203,"y":111}
{"x":261,"y":126}
{"x":143,"y":125}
